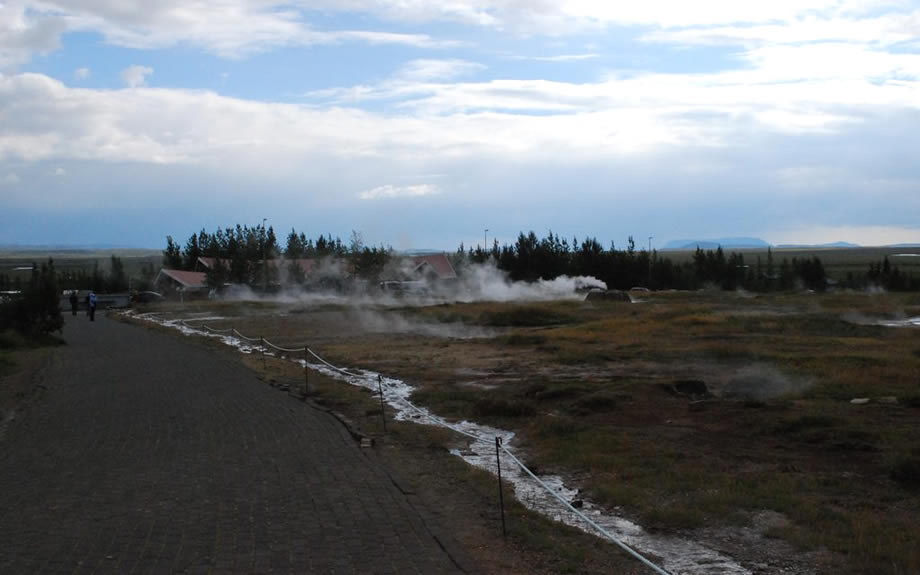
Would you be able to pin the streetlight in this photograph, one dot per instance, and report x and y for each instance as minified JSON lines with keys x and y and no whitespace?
{"x":485,"y":239}
{"x":650,"y":262}
{"x":264,"y":261}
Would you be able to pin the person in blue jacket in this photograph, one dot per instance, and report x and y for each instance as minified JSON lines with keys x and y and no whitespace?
{"x":92,"y":306}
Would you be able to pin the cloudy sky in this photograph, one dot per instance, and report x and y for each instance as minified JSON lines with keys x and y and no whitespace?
{"x":423,"y":123}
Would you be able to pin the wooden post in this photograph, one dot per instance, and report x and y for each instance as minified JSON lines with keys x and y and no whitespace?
{"x":306,"y":375}
{"x":262,"y":350}
{"x":501,"y":495}
{"x":383,"y":412}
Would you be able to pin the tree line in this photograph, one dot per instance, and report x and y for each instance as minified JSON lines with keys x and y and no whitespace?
{"x":113,"y":279}
{"x":531,"y":258}
{"x":240,"y":253}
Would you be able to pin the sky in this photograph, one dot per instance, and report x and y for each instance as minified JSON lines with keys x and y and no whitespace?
{"x":424,"y":124}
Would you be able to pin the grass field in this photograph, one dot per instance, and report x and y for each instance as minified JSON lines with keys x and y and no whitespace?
{"x":689,"y":412}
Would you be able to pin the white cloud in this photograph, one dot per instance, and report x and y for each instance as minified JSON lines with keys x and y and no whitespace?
{"x":23,"y":33}
{"x":228,"y":28}
{"x":884,"y":30}
{"x":390,"y":191}
{"x":796,"y":89}
{"x":10,"y":179}
{"x":236,"y":28}
{"x":135,"y":76}
{"x":59,"y":171}
{"x":377,"y":38}
{"x":566,"y":57}
{"x":787,"y":89}
{"x":637,"y":141}
{"x":81,"y":73}
{"x":560,"y":17}
{"x":426,"y":70}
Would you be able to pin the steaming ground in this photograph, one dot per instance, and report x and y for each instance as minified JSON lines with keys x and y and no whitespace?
{"x":480,"y":282}
{"x":368,"y":309}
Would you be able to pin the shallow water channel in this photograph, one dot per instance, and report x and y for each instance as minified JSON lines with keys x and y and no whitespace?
{"x":909,"y":322}
{"x":674,"y":554}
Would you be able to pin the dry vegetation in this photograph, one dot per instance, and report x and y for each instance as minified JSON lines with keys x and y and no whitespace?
{"x":690,"y":412}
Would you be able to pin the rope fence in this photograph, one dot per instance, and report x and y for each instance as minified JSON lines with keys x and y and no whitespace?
{"x":424,"y":413}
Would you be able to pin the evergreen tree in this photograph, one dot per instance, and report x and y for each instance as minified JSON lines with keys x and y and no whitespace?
{"x":172,"y":256}
{"x":192,"y":252}
{"x":217,"y":275}
{"x":117,"y":280}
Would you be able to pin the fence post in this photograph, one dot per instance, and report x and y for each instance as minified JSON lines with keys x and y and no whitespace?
{"x":383,"y":412}
{"x":501,"y":496}
{"x":306,"y":375}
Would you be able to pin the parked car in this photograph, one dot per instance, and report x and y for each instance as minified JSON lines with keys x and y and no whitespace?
{"x":147,"y":297}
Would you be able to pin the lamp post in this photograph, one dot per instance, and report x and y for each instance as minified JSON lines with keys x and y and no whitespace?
{"x":485,"y":239}
{"x":650,"y":262}
{"x":264,"y":261}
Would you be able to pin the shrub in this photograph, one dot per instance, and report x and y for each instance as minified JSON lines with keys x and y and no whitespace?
{"x":37,"y":310}
{"x":907,"y":472}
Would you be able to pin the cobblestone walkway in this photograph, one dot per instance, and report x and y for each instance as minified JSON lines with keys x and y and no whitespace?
{"x":146,"y":454}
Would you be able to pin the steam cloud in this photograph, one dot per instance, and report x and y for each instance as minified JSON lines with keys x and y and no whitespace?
{"x":477,"y":282}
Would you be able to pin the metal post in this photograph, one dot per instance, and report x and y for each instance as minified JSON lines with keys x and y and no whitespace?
{"x":383,"y":412}
{"x":650,"y":262}
{"x":501,"y":496}
{"x":264,"y":261}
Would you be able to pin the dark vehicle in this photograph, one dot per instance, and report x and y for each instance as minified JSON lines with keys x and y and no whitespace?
{"x":147,"y":297}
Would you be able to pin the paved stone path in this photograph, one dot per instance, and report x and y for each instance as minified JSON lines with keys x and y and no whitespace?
{"x":147,"y":454}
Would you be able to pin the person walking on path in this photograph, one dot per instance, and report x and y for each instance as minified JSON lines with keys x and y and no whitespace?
{"x":73,"y":302}
{"x":92,"y":306}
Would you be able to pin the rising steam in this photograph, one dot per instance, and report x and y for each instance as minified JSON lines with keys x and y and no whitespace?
{"x":328,"y":284}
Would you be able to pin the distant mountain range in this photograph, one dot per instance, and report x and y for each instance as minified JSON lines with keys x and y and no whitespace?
{"x":830,"y":245}
{"x":751,"y":244}
{"x":726,"y":243}
{"x":67,"y":247}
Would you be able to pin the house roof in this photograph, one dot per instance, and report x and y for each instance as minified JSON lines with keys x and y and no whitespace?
{"x":439,"y":263}
{"x":191,"y":280}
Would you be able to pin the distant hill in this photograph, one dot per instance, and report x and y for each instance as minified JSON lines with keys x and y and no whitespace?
{"x":725,"y":243}
{"x":70,"y":251}
{"x":69,"y":247}
{"x":830,"y":245}
{"x":420,"y":252}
